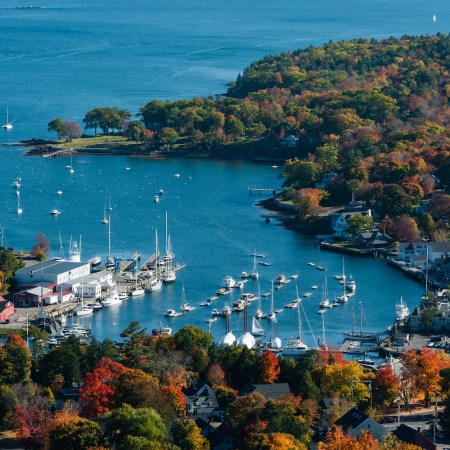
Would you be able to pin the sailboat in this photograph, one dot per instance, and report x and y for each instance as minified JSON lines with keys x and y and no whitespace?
{"x":323,"y":345}
{"x":156,"y":283}
{"x":360,"y":336}
{"x":271,"y":315}
{"x":434,"y":20}
{"x":344,"y":297}
{"x":8,"y":124}
{"x":105,"y":219}
{"x":82,"y":309}
{"x":19,"y":209}
{"x":110,"y":263}
{"x":259,"y":314}
{"x":109,"y":203}
{"x":229,"y":338}
{"x":274,"y":345}
{"x":257,"y":329}
{"x":70,"y":168}
{"x":169,"y":275}
{"x":185,"y":307}
{"x":247,"y":339}
{"x":325,"y":303}
{"x":296,"y":346}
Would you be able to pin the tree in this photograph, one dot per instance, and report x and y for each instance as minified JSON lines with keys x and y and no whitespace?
{"x":75,"y":433}
{"x":42,"y":248}
{"x":337,"y":440}
{"x":270,"y":369}
{"x":187,"y":435}
{"x":307,"y":201}
{"x":70,"y":130}
{"x":133,"y":130}
{"x":385,"y":386}
{"x":56,"y":125}
{"x":167,"y":137}
{"x":189,"y":337}
{"x":15,"y":361}
{"x":234,"y":127}
{"x":299,"y":174}
{"x":405,"y":229}
{"x":98,"y":390}
{"x":216,"y":376}
{"x":9,"y":264}
{"x":139,"y":422}
{"x":358,"y":224}
{"x":427,"y":225}
{"x":395,"y":201}
{"x":439,"y":206}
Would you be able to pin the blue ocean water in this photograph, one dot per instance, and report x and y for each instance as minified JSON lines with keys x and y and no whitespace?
{"x":67,"y":57}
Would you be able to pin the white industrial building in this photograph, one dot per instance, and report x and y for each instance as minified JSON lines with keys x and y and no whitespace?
{"x":58,"y":272}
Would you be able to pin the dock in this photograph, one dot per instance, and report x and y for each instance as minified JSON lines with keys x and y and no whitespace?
{"x":259,"y":190}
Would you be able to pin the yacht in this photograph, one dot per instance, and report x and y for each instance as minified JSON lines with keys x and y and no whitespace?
{"x":96,"y":306}
{"x":95,"y":261}
{"x":154,"y":285}
{"x":137,"y":292}
{"x":172,"y":313}
{"x":84,"y":310}
{"x":112,"y":299}
{"x":280,"y":279}
{"x":123,"y":296}
{"x":401,"y":310}
{"x":229,"y":282}
{"x":295,"y":346}
{"x":55,"y":212}
{"x":351,"y":285}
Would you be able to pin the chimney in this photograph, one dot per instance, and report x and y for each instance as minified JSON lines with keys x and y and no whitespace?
{"x":418,"y":429}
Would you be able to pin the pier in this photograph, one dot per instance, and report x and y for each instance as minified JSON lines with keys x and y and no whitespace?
{"x":259,"y":190}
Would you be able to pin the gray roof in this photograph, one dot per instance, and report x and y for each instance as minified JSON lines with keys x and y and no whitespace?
{"x":440,"y":246}
{"x":272,"y":391}
{"x":351,"y":419}
{"x":51,"y":267}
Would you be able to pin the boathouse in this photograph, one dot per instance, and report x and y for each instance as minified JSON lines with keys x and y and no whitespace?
{"x":57,"y":272}
{"x":6,"y":309}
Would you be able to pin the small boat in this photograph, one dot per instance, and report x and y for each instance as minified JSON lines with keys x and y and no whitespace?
{"x":206,"y":303}
{"x":211,"y":320}
{"x":161,"y":192}
{"x":311,"y":264}
{"x":321,"y":311}
{"x":137,"y":292}
{"x":156,"y":199}
{"x":434,"y":18}
{"x":248,"y":297}
{"x":245,"y":275}
{"x":290,"y":305}
{"x":176,"y":175}
{"x":127,"y":168}
{"x":320,"y":267}
{"x":16,"y":183}
{"x":307,"y":294}
{"x":161,"y":330}
{"x":263,"y":263}
{"x":105,"y":219}
{"x":256,"y":255}
{"x":221,"y":291}
{"x":112,"y":299}
{"x":211,"y":299}
{"x":278,"y":311}
{"x":84,"y":310}
{"x":7,"y":125}
{"x":314,"y":287}
{"x":58,"y":192}
{"x":55,"y":212}
{"x":95,"y":261}
{"x":257,"y":329}
{"x":294,"y":277}
{"x":280,"y":279}
{"x":123,"y":296}
{"x":266,"y":294}
{"x":188,"y":308}
{"x":172,"y":313}
{"x":96,"y":306}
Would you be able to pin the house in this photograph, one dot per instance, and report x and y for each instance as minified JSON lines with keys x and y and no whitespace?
{"x":201,"y":400}
{"x":326,"y":180}
{"x":410,"y":435}
{"x":374,"y":239}
{"x":328,"y":408}
{"x":339,"y":221}
{"x":354,"y":421}
{"x":6,"y":309}
{"x":273,"y":391}
{"x":438,"y":251}
{"x":57,"y":272}
{"x":289,"y":141}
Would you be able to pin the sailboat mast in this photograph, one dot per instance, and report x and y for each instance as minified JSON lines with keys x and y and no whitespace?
{"x":353,"y":321}
{"x":271,"y":304}
{"x":167,"y":241}
{"x":109,"y":237}
{"x":360,"y":318}
{"x":300,"y":328}
{"x":156,"y":254}
{"x":323,"y":329}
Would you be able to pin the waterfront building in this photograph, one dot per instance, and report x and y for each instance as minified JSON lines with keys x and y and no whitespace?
{"x":33,"y":296}
{"x":339,"y":221}
{"x":6,"y":309}
{"x":57,"y":272}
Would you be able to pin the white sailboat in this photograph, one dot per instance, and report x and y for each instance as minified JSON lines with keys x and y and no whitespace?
{"x":8,"y":124}
{"x":105,"y":219}
{"x":110,"y":263}
{"x":82,"y":309}
{"x":259,"y":314}
{"x":19,"y":209}
{"x":185,"y":307}
{"x":229,"y":338}
{"x":257,"y":329}
{"x":156,"y":283}
{"x":296,"y":346}
{"x":70,"y":168}
{"x":325,"y":303}
{"x":271,"y":315}
{"x":169,"y":275}
{"x":109,"y":203}
{"x":247,"y":339}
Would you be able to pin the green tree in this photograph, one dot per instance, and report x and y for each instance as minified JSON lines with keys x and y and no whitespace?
{"x":76,"y":434}
{"x":56,"y":125}
{"x":155,"y":111}
{"x":189,"y":337}
{"x":427,"y":225}
{"x":167,"y":137}
{"x":187,"y":435}
{"x":133,"y":130}
{"x":358,"y":224}
{"x":299,"y":174}
{"x":127,"y":421}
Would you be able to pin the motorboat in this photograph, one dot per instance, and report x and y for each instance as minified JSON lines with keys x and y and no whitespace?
{"x":401,"y":310}
{"x":245,"y":275}
{"x":206,"y":303}
{"x":238,"y":306}
{"x":280,"y":279}
{"x":161,"y":192}
{"x":123,"y":296}
{"x":221,"y":291}
{"x":314,"y":286}
{"x":320,"y":267}
{"x":172,"y":313}
{"x":112,"y":299}
{"x":161,"y":330}
{"x":228,"y":282}
{"x":137,"y":292}
{"x":156,"y":198}
{"x":187,"y":308}
{"x":294,"y":277}
{"x":263,"y":263}
{"x":211,"y":320}
{"x":96,"y":306}
{"x":248,"y":297}
{"x":351,"y":284}
{"x":55,"y":212}
{"x":95,"y":261}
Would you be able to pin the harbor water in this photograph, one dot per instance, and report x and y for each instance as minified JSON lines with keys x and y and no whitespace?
{"x":64,"y":58}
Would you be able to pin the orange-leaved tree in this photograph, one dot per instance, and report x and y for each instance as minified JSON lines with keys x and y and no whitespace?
{"x":270,"y":368}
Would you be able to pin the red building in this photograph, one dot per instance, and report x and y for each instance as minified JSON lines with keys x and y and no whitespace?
{"x":6,"y":309}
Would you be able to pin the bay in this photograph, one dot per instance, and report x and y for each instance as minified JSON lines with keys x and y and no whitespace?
{"x":69,"y":56}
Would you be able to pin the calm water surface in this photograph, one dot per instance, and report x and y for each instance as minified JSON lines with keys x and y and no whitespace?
{"x":70,"y":56}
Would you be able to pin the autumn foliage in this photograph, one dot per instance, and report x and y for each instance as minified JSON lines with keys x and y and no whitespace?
{"x":270,"y":369}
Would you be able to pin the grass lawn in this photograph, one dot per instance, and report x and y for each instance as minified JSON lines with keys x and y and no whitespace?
{"x":97,"y":141}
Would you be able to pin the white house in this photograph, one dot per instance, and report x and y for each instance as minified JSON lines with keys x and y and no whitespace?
{"x":87,"y":290}
{"x":438,"y":251}
{"x":339,"y":221}
{"x":289,"y":141}
{"x":52,"y":271}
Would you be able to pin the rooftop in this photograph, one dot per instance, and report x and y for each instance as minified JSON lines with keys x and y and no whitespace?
{"x":50,"y":267}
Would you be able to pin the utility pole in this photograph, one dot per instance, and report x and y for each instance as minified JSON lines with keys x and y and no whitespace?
{"x":435,"y":414}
